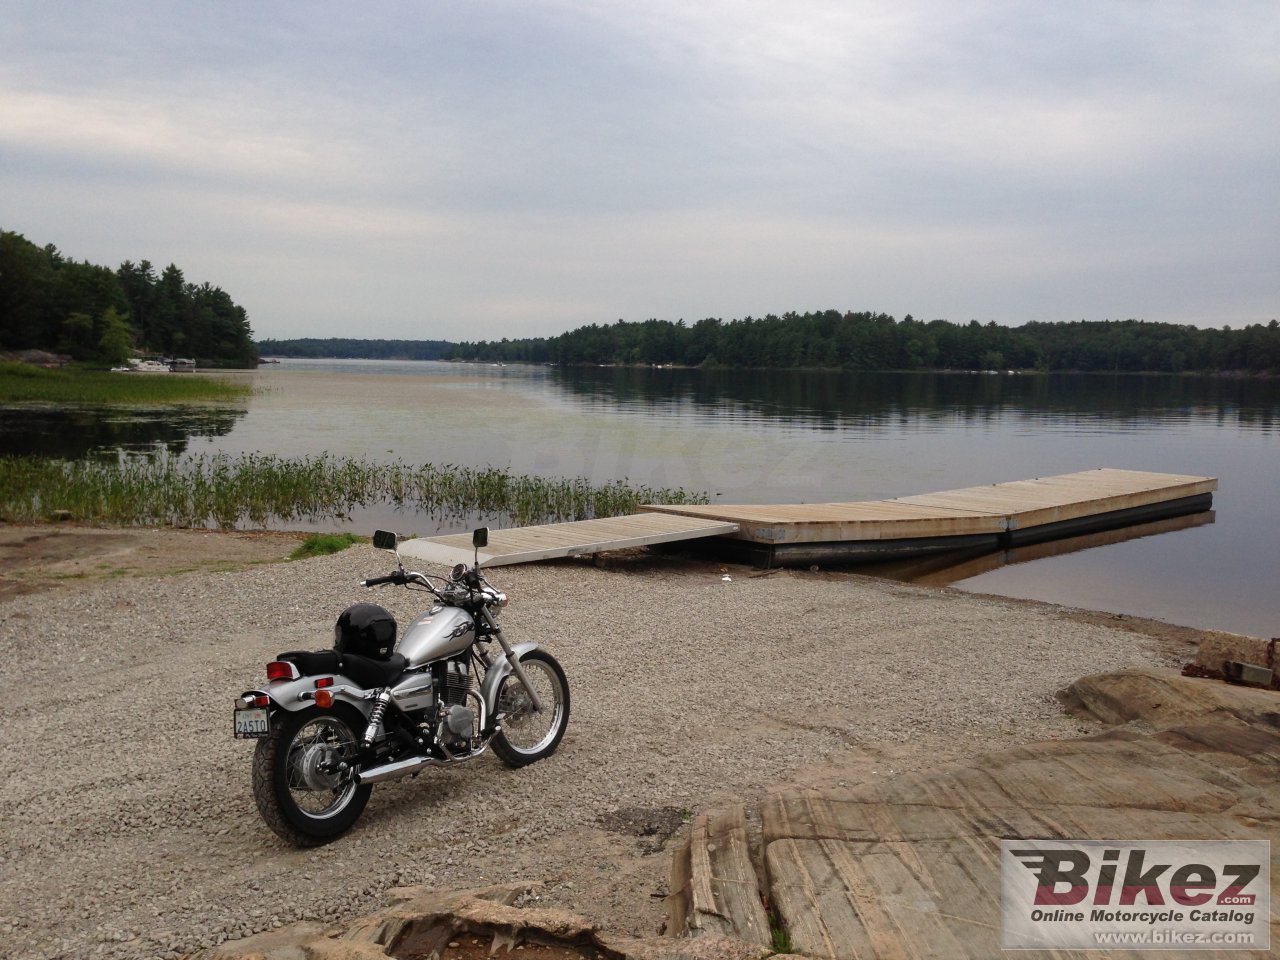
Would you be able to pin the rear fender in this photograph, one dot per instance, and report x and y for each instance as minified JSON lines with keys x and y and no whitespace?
{"x":295,"y":695}
{"x":494,"y":676}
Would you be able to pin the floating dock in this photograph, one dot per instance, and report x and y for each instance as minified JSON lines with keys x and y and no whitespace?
{"x":991,"y":517}
{"x":985,"y":518}
{"x":942,"y":569}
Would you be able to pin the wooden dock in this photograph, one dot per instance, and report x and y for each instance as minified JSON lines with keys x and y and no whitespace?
{"x":990,"y":517}
{"x":973,"y":518}
{"x":574,"y":539}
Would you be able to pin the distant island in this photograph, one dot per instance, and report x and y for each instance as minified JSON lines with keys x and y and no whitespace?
{"x":876,"y":341}
{"x":851,"y":341}
{"x":348,"y":349}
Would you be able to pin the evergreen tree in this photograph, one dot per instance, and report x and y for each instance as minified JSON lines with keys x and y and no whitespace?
{"x":100,"y":315}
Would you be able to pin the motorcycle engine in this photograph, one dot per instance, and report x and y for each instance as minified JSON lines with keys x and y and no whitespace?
{"x":457,"y":682}
{"x":459,"y":719}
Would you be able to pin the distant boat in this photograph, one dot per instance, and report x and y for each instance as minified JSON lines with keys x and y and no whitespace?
{"x":143,"y":366}
{"x":180,"y":365}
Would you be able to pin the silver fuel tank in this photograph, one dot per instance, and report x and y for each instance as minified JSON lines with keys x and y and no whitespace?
{"x":440,"y":632}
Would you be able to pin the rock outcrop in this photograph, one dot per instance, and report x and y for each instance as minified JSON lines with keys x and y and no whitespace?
{"x":426,"y":924}
{"x":910,"y":866}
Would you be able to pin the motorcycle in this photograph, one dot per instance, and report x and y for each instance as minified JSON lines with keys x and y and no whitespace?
{"x":331,"y":723}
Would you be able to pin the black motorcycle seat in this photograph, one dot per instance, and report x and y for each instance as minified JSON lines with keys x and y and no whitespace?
{"x":365,"y":671}
{"x":369,"y":672}
{"x":312,"y":662}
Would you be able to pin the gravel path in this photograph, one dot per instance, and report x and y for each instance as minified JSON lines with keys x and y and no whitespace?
{"x":128,"y":825}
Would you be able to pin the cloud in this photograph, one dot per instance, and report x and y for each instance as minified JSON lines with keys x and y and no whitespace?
{"x":150,"y":138}
{"x":532,"y":167}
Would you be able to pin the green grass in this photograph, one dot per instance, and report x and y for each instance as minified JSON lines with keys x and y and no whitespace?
{"x":23,"y":382}
{"x":780,"y":939}
{"x":778,"y":936}
{"x":322,"y":544}
{"x":260,"y":490}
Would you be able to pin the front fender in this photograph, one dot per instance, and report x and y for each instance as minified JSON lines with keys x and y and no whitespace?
{"x":494,"y":676}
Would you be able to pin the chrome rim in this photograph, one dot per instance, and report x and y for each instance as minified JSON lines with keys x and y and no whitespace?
{"x":527,"y":730}
{"x":315,"y":784}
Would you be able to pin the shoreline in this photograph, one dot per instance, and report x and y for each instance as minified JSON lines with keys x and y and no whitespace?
{"x":112,"y":551}
{"x":943,"y":371}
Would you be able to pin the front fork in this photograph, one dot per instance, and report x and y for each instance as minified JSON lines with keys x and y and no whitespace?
{"x":516,"y":667}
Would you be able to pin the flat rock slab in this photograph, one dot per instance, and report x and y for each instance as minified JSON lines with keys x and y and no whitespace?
{"x":714,"y":880}
{"x":910,"y":867}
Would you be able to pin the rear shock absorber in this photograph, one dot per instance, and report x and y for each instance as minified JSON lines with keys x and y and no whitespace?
{"x":374,"y":729}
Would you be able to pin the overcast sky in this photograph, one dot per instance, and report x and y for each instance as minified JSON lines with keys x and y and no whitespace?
{"x":488,"y":168}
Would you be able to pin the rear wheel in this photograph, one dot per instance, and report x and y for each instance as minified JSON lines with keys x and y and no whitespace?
{"x":527,"y":734}
{"x":301,"y":791}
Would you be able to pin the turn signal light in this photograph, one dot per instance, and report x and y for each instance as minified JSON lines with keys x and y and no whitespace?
{"x":324,"y":699}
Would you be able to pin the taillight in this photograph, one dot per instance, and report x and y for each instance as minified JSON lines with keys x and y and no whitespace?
{"x":280,"y":670}
{"x":262,"y":700}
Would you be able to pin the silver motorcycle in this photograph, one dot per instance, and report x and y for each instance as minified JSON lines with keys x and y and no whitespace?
{"x":331,"y":723}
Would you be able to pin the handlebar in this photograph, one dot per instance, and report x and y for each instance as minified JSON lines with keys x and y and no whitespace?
{"x":396,"y":577}
{"x":471,"y":588}
{"x":403,"y":578}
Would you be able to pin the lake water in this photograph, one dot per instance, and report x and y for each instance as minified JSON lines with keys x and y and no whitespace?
{"x":776,"y":437}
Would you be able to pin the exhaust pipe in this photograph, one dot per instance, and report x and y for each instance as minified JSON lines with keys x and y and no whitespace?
{"x":390,"y":771}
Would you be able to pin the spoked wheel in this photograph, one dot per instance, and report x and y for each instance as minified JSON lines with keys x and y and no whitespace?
{"x":528,"y":734}
{"x":301,"y":791}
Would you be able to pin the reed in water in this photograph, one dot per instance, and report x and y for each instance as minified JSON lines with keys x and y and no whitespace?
{"x":259,"y":490}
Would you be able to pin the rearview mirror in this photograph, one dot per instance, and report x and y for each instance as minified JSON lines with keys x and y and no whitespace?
{"x":480,"y":538}
{"x":384,"y":540}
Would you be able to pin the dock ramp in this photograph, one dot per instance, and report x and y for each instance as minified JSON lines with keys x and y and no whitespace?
{"x":573,"y":539}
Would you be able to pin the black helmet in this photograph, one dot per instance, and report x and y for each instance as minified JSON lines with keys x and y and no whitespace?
{"x":366,"y":629}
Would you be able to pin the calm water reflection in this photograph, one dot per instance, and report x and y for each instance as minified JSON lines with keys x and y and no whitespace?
{"x":841,"y":401}
{"x":790,"y":437}
{"x":75,"y":432}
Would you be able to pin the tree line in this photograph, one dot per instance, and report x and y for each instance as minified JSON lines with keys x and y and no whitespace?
{"x":876,"y":341}
{"x":314,"y":347}
{"x":99,"y":315}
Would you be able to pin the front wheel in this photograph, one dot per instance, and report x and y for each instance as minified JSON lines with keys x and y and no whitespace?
{"x":303,"y":791}
{"x":528,"y":735}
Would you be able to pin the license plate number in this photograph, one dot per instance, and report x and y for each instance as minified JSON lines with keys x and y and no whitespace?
{"x":251,"y":723}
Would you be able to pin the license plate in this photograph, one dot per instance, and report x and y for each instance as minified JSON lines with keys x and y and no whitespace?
{"x":251,"y":723}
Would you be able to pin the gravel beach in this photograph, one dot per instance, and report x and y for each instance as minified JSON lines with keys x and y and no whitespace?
{"x":129,"y":828}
